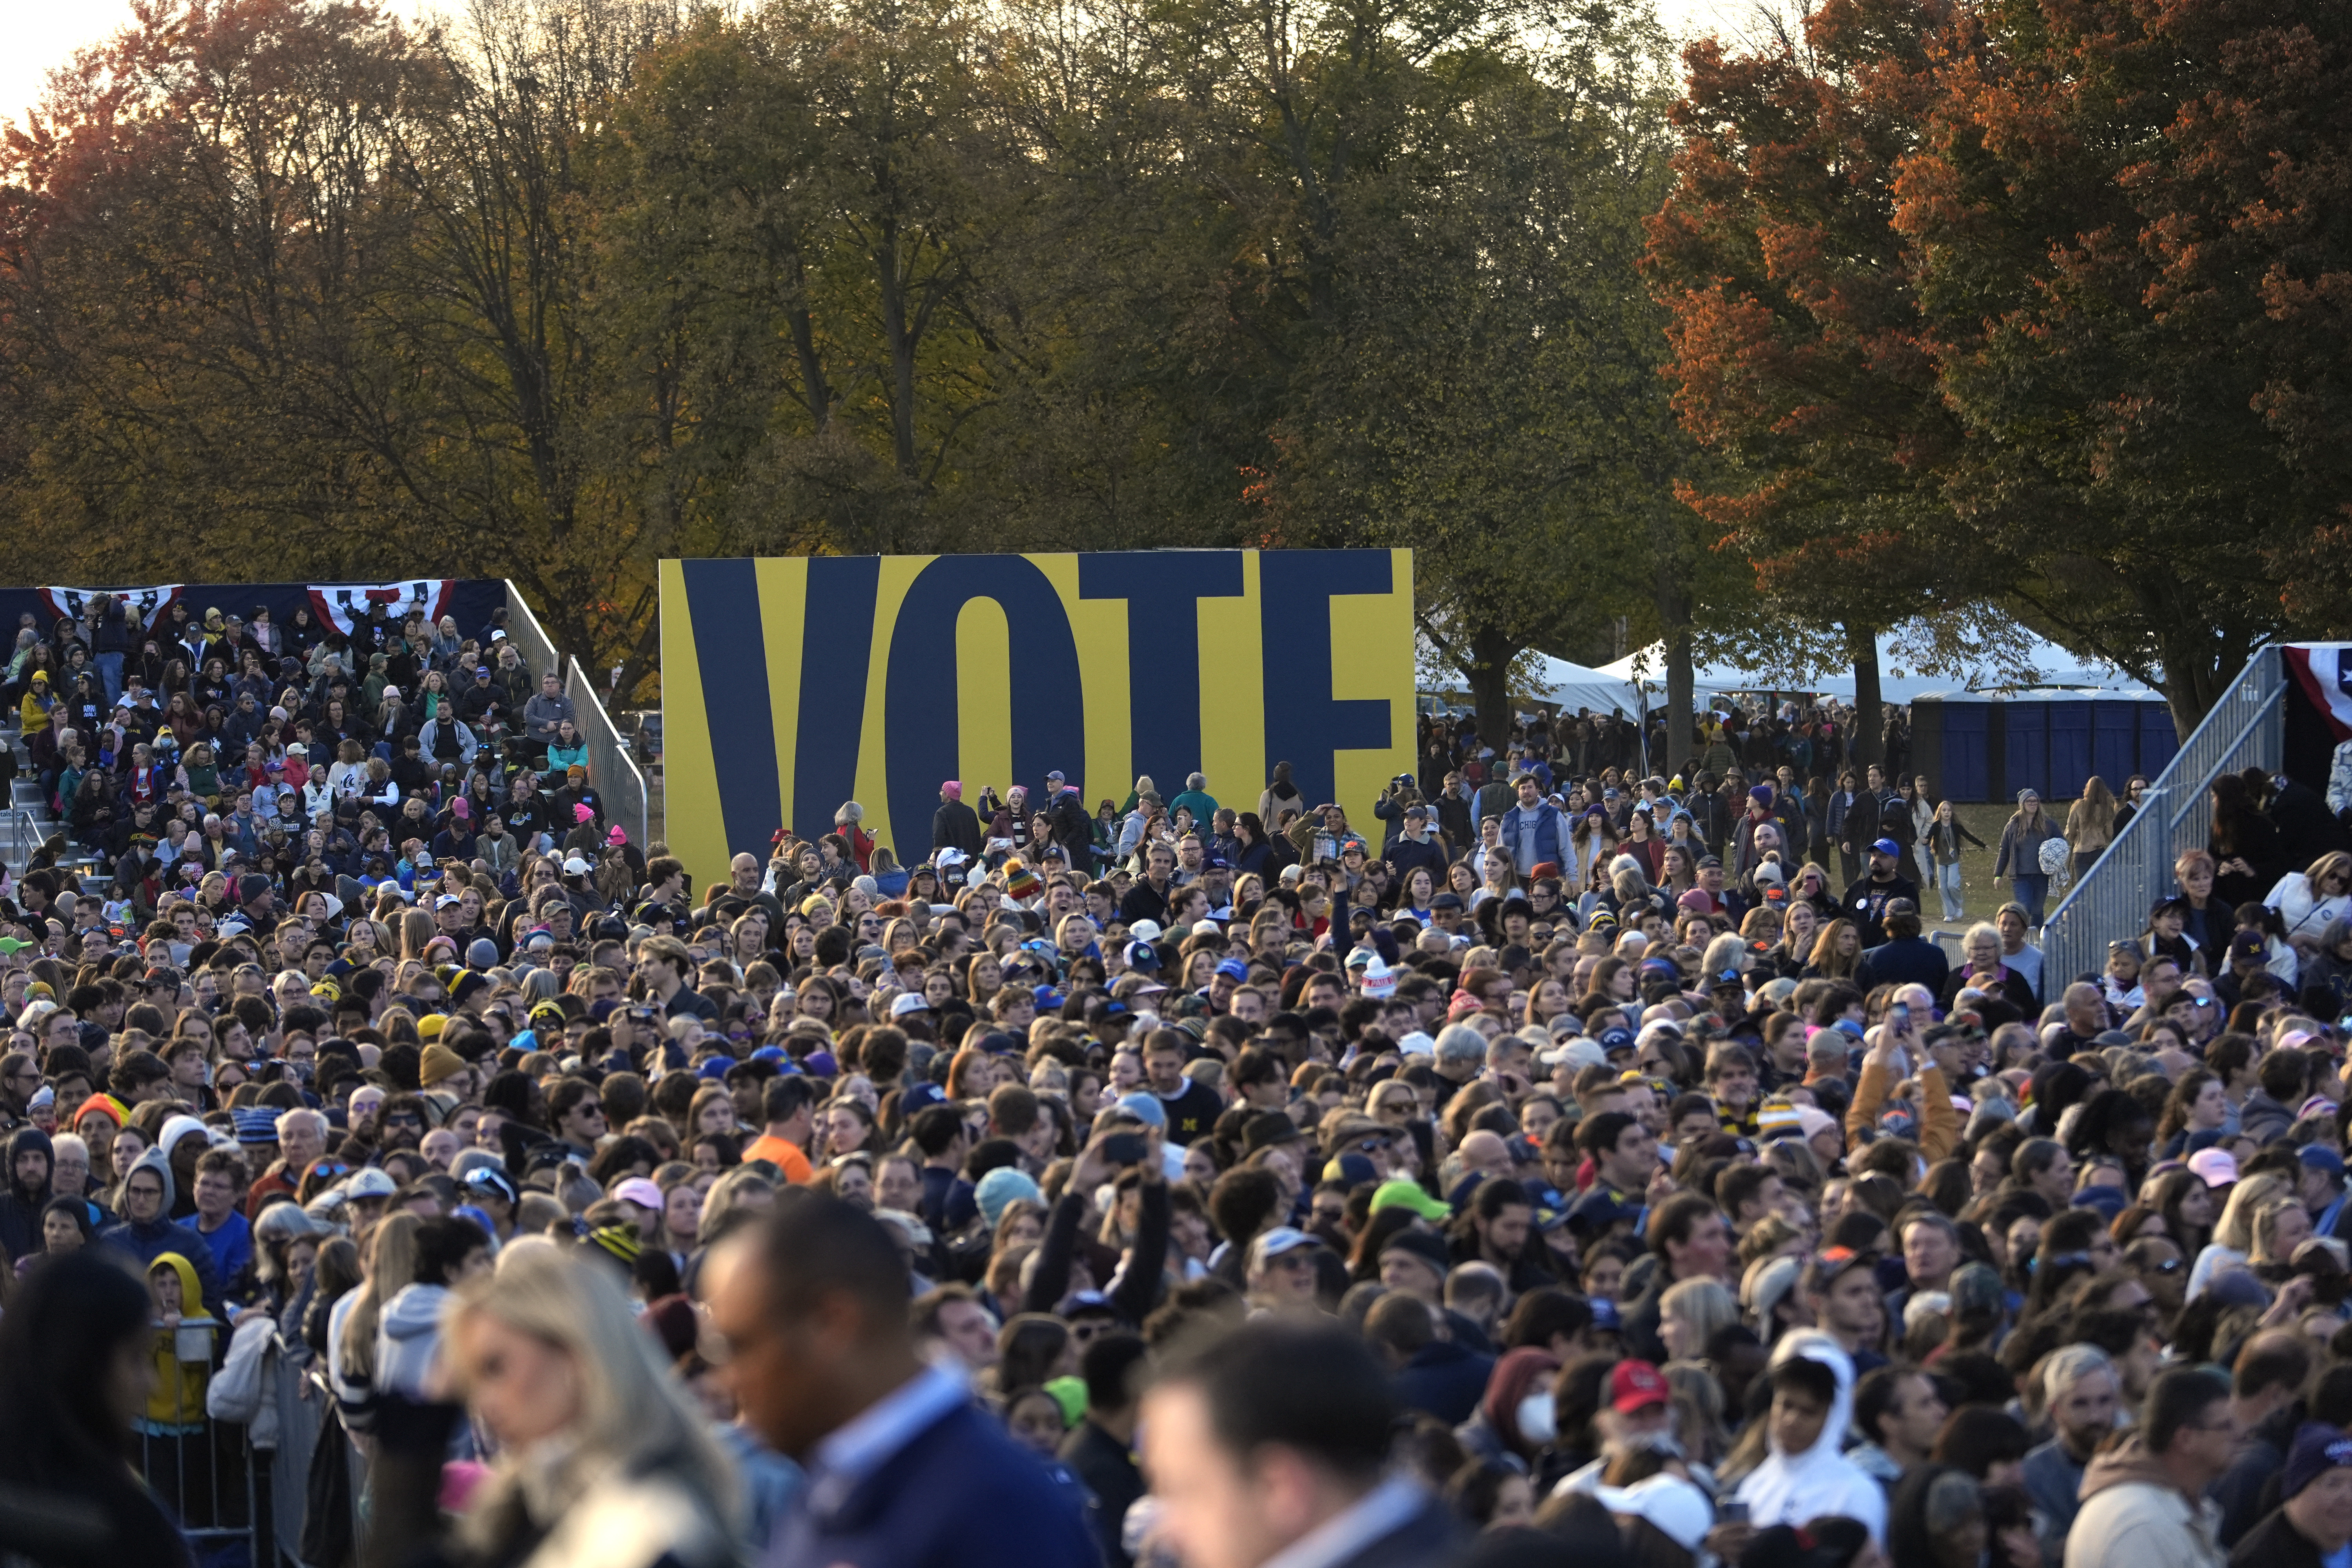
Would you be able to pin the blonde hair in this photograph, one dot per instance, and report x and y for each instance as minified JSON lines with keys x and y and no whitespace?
{"x":390,"y":1268}
{"x":1707,"y":1305}
{"x":2235,"y":1229}
{"x":635,"y":1416}
{"x":2266,"y":1230}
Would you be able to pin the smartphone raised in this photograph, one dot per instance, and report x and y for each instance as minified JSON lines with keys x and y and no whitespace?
{"x":1126,"y":1148}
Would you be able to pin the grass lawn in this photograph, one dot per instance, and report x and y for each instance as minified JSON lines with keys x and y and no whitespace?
{"x":1980,"y":894}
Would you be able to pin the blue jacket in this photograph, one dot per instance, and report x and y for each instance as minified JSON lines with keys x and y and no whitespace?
{"x":1403,"y":854}
{"x":1902,"y":960}
{"x":1550,"y":828}
{"x":161,"y":1235}
{"x":231,"y":1247}
{"x":960,"y":1495}
{"x":1444,"y":1379}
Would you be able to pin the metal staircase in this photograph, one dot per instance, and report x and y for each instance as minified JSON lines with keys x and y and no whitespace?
{"x":30,"y":821}
{"x":2247,"y":729}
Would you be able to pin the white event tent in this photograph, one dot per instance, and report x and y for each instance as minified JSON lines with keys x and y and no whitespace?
{"x":1899,"y":681}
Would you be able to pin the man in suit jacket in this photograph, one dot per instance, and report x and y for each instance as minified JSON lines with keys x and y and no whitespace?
{"x":904,"y":1470}
{"x":1268,"y":1442}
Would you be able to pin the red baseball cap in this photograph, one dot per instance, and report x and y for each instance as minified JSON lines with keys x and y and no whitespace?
{"x":1636,"y":1385}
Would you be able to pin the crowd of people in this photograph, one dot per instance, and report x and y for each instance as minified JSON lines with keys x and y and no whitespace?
{"x":1568,"y":1166}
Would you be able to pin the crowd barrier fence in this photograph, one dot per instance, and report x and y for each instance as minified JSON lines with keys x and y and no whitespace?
{"x":612,"y":767}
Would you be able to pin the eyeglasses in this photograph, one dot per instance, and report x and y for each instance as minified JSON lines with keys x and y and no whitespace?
{"x":2169,"y":1265}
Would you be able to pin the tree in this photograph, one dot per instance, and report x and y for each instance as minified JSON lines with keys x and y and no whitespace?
{"x":2114,"y":216}
{"x":1797,"y":357}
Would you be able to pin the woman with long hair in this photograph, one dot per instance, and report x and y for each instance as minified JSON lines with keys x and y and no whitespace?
{"x":2233,"y":1234}
{"x":2091,"y":823}
{"x":1941,"y":845}
{"x":2244,"y":843}
{"x":2197,"y":1104}
{"x":2020,"y":856}
{"x":2309,"y":903}
{"x":604,"y":1458}
{"x":352,"y":1330}
{"x":1642,"y":843}
{"x":1786,"y":960}
{"x":1835,"y":952}
{"x":75,"y":1363}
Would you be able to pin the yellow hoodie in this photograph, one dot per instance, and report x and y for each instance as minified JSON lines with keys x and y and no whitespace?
{"x":177,"y":1404}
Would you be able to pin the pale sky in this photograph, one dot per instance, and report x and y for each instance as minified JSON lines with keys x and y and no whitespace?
{"x":37,"y":34}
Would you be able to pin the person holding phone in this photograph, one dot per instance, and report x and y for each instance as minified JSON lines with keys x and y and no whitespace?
{"x":1894,"y":1046}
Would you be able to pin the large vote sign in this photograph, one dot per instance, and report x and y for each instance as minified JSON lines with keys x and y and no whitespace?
{"x":792,"y":685}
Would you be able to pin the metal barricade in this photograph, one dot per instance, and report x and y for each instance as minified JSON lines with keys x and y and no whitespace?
{"x":301,"y":1404}
{"x":611,"y":768}
{"x":531,"y":639}
{"x":2246,"y":729}
{"x":205,"y":1471}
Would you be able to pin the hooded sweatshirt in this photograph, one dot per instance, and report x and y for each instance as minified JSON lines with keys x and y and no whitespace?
{"x":2134,"y":1517}
{"x":160,"y":1235}
{"x":177,"y":1404}
{"x":1795,"y":1488}
{"x":20,"y":1207}
{"x":407,"y":1339}
{"x":175,"y":1131}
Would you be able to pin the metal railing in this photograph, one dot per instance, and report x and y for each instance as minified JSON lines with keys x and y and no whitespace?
{"x":2246,"y":729}
{"x":531,"y":639}
{"x":205,"y":1471}
{"x":611,"y":768}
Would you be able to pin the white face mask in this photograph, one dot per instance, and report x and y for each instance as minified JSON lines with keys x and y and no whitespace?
{"x":1536,"y":1421}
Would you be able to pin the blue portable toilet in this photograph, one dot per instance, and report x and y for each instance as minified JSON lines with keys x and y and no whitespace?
{"x":1963,"y":724}
{"x":2158,"y":741}
{"x":2070,"y":747}
{"x":2115,"y":740}
{"x":2025,"y":734}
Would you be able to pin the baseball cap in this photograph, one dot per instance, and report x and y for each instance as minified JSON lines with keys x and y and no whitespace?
{"x":1828,"y":1265}
{"x":1599,"y":1208}
{"x":1636,"y":1385}
{"x":907,"y":1002}
{"x":1145,"y":1108}
{"x":1886,"y":847}
{"x":371,"y":1183}
{"x":1673,"y":1506}
{"x":2218,"y":1166}
{"x":493,"y":1179}
{"x":1282,"y":1238}
{"x":2320,"y":1157}
{"x":640,"y":1191}
{"x":1403,"y":1193}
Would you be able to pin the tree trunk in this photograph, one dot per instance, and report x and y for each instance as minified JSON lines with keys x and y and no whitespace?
{"x":1488,"y":672}
{"x":1869,"y":707}
{"x":1673,"y":623}
{"x":2198,"y":666}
